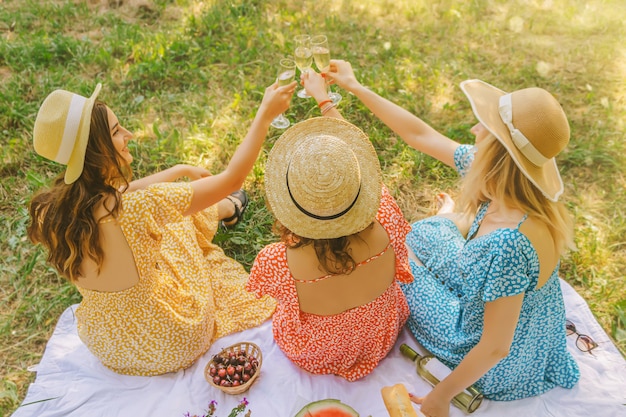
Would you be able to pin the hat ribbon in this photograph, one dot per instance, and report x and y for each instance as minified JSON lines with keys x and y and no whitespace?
{"x":316,"y":216}
{"x":70,"y":131}
{"x":521,"y":142}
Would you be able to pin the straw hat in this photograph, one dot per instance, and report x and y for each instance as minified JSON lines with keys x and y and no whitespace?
{"x":531,"y":125}
{"x":323,"y":180}
{"x":62,"y":130}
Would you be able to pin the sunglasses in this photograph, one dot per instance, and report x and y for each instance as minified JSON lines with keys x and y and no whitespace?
{"x":583,"y":342}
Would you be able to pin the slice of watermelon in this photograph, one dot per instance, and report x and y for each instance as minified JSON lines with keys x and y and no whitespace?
{"x":327,"y":408}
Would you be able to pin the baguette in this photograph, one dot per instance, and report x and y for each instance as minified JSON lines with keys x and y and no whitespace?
{"x":397,"y":401}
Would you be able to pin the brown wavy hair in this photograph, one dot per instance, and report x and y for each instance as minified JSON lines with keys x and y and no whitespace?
{"x":495,"y":176}
{"x":62,"y":217}
{"x":333,"y":254}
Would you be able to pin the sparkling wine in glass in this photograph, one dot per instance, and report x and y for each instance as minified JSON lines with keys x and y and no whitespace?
{"x":303,"y":57}
{"x":286,"y":74}
{"x":321,"y":55}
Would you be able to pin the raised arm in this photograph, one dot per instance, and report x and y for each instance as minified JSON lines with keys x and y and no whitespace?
{"x":415,"y":132}
{"x":168,"y":175}
{"x":210,"y":190}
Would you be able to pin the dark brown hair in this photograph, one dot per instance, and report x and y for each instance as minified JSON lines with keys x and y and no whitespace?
{"x":62,"y":216}
{"x":333,"y":254}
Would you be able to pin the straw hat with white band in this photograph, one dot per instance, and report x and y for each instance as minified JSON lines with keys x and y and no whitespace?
{"x":531,"y":125}
{"x":62,"y":130}
{"x":323,"y":180}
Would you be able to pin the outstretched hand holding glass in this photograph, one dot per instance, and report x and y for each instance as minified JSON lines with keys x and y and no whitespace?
{"x":286,"y":75}
{"x":321,"y":54}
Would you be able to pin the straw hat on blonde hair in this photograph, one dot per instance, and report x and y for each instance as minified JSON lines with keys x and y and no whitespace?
{"x":531,"y":125}
{"x":323,"y":179}
{"x":62,"y":130}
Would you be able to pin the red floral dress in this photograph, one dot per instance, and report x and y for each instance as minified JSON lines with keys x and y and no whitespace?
{"x":349,"y":344}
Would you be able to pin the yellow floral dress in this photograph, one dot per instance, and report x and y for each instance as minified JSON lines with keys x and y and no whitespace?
{"x":189,"y":292}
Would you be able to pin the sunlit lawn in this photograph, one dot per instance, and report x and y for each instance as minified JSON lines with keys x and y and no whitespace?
{"x":186,"y":76}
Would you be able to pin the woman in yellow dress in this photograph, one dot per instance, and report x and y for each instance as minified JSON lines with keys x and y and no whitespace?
{"x":156,"y":291}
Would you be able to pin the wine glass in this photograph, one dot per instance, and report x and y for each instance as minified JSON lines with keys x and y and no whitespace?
{"x":321,"y":54}
{"x":303,"y":57}
{"x":286,"y":74}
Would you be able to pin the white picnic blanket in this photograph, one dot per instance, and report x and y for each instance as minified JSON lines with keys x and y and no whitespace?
{"x":71,"y":382}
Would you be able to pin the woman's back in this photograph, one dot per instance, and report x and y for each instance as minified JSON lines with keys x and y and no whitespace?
{"x":186,"y":287}
{"x":118,"y":271}
{"x":497,"y":260}
{"x":498,"y":216}
{"x":350,"y":338}
{"x":328,"y":294}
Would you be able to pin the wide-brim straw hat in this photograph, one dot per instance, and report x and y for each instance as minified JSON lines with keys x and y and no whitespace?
{"x":323,"y":179}
{"x":62,"y":128}
{"x":532,"y":126}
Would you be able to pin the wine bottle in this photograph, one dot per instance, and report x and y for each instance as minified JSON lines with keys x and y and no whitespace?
{"x":433,"y":371}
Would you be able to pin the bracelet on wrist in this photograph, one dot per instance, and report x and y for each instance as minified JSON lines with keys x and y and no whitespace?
{"x":327,"y":107}
{"x":321,"y":103}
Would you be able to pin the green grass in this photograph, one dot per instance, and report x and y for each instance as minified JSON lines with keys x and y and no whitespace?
{"x":186,"y":76}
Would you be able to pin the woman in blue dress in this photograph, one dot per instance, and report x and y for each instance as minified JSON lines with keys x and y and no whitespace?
{"x":486,"y":298}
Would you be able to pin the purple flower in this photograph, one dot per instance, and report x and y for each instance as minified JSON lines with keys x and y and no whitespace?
{"x":233,"y":413}
{"x":239,"y":409}
{"x":212,"y":408}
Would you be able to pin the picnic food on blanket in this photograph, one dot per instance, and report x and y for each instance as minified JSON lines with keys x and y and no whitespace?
{"x":433,"y":371}
{"x":327,"y":408}
{"x":397,"y":401}
{"x":235,"y":368}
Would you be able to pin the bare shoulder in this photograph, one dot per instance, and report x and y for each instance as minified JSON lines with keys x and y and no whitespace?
{"x":541,"y":239}
{"x":537,"y":232}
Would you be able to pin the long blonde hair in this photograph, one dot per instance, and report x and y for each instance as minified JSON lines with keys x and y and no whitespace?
{"x":62,"y":217}
{"x":495,"y":176}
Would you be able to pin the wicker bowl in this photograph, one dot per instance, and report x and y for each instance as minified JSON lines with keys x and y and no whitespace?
{"x":242,"y":354}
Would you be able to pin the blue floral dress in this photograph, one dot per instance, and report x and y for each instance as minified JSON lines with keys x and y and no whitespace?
{"x":447,"y":302}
